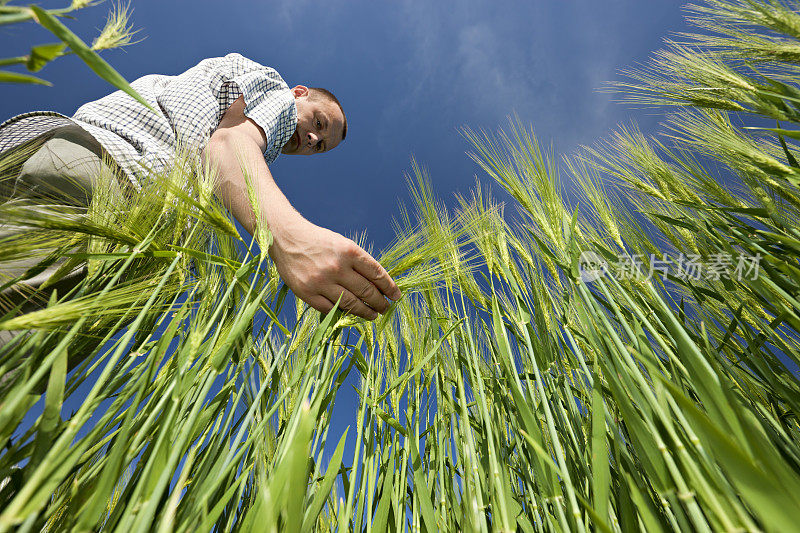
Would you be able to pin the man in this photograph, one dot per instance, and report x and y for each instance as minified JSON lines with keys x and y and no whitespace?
{"x":234,"y":111}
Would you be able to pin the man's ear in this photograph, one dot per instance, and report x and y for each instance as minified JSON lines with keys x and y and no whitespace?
{"x":299,"y":90}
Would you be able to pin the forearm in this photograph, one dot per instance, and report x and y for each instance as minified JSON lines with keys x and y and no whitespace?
{"x":230,"y":155}
{"x":320,"y":266}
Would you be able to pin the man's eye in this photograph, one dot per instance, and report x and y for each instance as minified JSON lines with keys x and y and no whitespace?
{"x":319,"y":147}
{"x":319,"y":124}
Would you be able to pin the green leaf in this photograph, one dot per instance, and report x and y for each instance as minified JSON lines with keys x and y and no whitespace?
{"x":792,"y":134}
{"x":89,"y":56}
{"x":393,"y":422}
{"x":296,"y":469}
{"x":421,"y":491}
{"x":15,"y":77}
{"x":43,"y":54}
{"x":644,"y":507}
{"x":14,"y":14}
{"x":382,"y":512}
{"x":768,"y":499}
{"x":324,"y":489}
{"x":51,"y":416}
{"x":601,"y":480}
{"x":789,"y":156}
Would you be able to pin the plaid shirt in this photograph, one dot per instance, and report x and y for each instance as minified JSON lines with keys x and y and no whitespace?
{"x":190,"y":108}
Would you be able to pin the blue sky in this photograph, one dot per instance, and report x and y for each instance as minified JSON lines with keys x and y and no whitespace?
{"x":408,"y":74}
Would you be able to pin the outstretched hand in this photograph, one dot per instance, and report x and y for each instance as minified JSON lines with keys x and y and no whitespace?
{"x":320,"y":266}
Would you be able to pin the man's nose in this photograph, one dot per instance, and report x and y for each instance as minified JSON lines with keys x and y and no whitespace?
{"x":312,"y":139}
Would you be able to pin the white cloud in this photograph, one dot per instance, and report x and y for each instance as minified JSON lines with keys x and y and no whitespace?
{"x":288,"y":11}
{"x":500,"y":61}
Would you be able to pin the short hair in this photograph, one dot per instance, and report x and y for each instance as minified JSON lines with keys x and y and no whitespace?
{"x":319,"y":92}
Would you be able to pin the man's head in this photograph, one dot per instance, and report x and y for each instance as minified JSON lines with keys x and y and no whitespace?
{"x":321,"y":124}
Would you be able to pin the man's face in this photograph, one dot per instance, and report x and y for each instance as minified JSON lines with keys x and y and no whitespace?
{"x":319,"y":124}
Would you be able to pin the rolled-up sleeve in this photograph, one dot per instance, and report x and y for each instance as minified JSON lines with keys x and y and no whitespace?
{"x":185,"y":109}
{"x":196,"y":100}
{"x":270,"y":104}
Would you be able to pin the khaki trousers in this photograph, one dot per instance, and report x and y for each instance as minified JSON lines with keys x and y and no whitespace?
{"x":63,"y":171}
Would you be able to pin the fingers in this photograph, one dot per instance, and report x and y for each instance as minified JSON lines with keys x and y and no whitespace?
{"x":365,"y":290}
{"x":351,"y":303}
{"x":343,"y":269}
{"x":320,"y":303}
{"x":367,"y":266}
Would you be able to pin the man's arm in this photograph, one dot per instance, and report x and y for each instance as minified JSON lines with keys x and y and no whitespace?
{"x":319,"y":265}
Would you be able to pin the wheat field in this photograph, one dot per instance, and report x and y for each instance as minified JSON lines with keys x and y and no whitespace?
{"x":623,"y":361}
